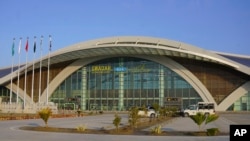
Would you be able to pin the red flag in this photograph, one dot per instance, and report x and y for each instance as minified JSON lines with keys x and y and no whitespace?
{"x":27,"y":46}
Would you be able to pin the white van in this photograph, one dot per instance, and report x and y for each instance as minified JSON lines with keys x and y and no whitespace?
{"x":206,"y":108}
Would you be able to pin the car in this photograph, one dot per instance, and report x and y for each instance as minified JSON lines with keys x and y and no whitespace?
{"x":206,"y":108}
{"x":148,"y":112}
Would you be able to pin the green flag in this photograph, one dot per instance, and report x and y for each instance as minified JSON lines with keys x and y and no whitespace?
{"x":13,"y":48}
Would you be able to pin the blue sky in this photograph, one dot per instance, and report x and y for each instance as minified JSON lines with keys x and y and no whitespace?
{"x":217,"y":25}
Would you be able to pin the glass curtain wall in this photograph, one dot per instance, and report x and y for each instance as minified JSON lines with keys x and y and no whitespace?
{"x":120,"y":83}
{"x":5,"y":96}
{"x":242,"y":104}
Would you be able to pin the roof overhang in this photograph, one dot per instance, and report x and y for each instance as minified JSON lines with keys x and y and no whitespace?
{"x":127,"y":45}
{"x":135,"y":45}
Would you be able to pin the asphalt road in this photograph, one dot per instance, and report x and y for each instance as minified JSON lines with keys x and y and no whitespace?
{"x":9,"y":130}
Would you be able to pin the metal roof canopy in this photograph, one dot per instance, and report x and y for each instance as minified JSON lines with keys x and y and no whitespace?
{"x":127,"y":45}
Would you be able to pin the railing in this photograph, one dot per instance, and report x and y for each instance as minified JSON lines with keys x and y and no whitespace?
{"x":29,"y":108}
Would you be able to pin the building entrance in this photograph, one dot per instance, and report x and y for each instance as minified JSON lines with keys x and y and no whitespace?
{"x":119,"y":83}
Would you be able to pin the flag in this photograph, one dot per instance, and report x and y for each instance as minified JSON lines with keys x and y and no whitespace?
{"x":20,"y":44}
{"x":27,"y":46}
{"x":50,"y":44}
{"x":34,"y":46}
{"x":41,"y":42}
{"x":13,"y":48}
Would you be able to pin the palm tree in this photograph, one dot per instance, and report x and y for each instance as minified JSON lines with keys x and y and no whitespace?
{"x":211,"y":118}
{"x":200,"y":118}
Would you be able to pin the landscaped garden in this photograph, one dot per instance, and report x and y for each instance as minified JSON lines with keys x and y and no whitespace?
{"x":136,"y":125}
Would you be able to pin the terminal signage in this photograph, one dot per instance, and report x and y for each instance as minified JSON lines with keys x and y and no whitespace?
{"x":101,"y":69}
{"x":139,"y":68}
{"x":108,"y":69}
{"x":120,"y":69}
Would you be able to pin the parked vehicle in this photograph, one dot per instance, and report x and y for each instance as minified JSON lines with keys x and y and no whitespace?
{"x":206,"y":108}
{"x":148,"y":112}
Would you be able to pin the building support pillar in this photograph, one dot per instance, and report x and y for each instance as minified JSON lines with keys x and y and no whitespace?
{"x":121,"y":90}
{"x":84,"y":88}
{"x":121,"y":86}
{"x":161,"y":86}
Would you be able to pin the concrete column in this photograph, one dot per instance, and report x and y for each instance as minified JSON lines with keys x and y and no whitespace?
{"x":121,"y":85}
{"x":161,"y":86}
{"x":121,"y":90}
{"x":84,"y":88}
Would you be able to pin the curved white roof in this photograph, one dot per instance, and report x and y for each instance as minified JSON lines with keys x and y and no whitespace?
{"x":125,"y":45}
{"x":136,"y":45}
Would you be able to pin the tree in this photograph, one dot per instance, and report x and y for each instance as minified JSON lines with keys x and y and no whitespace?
{"x":199,"y":118}
{"x":117,"y":121}
{"x":45,"y":114}
{"x":211,"y":118}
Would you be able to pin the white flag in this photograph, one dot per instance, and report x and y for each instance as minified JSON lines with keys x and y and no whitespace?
{"x":20,"y":44}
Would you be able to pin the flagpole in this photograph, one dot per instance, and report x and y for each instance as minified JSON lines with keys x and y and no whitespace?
{"x":32,"y":89}
{"x":40,"y":71}
{"x":18,"y":75}
{"x":25,"y":81}
{"x":13,"y":52}
{"x":47,"y":94}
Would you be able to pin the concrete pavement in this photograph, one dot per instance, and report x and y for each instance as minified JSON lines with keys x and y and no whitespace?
{"x":9,"y":130}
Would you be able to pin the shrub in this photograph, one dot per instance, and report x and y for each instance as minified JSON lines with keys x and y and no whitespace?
{"x":163,"y":112}
{"x":79,"y":112}
{"x":212,"y":131}
{"x":45,"y":114}
{"x":133,"y":117}
{"x":156,"y":106}
{"x":156,"y":130}
{"x":201,"y":118}
{"x":81,"y":128}
{"x":117,"y":121}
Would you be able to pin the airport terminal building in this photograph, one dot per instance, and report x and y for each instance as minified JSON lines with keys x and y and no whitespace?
{"x":119,"y":72}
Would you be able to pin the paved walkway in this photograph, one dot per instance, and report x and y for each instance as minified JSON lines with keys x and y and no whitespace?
{"x":186,"y":124}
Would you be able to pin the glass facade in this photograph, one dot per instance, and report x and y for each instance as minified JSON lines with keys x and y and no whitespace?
{"x":242,"y":104}
{"x":219,"y":80}
{"x":5,"y":96}
{"x":119,"y":83}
